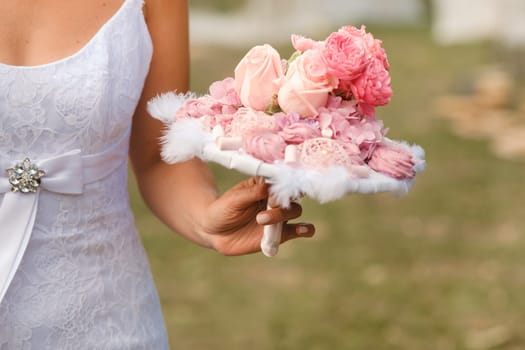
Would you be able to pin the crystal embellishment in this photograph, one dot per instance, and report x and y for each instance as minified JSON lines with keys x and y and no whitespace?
{"x":25,"y":177}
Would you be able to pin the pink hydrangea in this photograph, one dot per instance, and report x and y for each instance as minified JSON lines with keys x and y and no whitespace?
{"x":282,"y":120}
{"x":333,"y":121}
{"x":393,"y":160}
{"x":223,"y":91}
{"x":349,"y":108}
{"x":366,"y":131}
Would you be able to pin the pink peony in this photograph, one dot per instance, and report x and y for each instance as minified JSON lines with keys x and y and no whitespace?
{"x":373,"y":86}
{"x":366,"y":110}
{"x":297,"y":133}
{"x":393,"y":160}
{"x":264,"y":145}
{"x":258,"y":77}
{"x":373,"y":46}
{"x":347,"y":53}
{"x":223,"y":91}
{"x":306,"y":86}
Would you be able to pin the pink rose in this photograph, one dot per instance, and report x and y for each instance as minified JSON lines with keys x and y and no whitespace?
{"x":306,"y":86}
{"x":258,"y":77}
{"x":393,"y":160}
{"x":373,"y":86}
{"x":265,"y":145}
{"x":297,"y":133}
{"x":347,"y":52}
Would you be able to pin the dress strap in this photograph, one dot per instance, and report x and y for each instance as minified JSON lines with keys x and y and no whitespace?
{"x":66,"y":174}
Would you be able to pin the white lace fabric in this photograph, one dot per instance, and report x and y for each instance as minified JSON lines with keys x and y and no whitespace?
{"x":84,"y":281}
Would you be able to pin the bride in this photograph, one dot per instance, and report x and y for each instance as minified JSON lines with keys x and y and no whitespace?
{"x":75,"y":77}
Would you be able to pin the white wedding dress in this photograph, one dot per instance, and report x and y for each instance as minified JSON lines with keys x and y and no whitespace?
{"x":79,"y":278}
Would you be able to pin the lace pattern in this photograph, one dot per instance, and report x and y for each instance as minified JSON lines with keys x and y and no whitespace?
{"x":84,"y":281}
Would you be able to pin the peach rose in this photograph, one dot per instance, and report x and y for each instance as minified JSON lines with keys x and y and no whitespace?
{"x":258,"y":77}
{"x":306,"y":86}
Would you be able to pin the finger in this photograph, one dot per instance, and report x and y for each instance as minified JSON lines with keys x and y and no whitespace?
{"x":275,"y":215}
{"x":300,"y":230}
{"x":249,"y":191}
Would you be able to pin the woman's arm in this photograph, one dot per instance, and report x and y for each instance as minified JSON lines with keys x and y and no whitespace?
{"x":184,"y":195}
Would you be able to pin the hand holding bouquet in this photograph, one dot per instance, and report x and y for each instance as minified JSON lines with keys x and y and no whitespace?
{"x":307,"y":124}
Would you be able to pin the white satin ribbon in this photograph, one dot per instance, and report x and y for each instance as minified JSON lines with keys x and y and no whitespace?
{"x":65,"y":174}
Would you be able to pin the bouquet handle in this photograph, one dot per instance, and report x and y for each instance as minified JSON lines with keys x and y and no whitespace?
{"x":271,"y":238}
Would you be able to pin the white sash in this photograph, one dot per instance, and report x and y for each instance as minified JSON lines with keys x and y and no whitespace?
{"x":66,"y":174}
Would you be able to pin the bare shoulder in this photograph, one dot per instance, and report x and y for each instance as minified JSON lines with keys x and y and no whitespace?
{"x":167,"y":22}
{"x":173,"y":10}
{"x":168,"y":25}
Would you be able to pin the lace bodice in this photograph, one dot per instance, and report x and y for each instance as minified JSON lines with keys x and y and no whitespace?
{"x":84,"y":281}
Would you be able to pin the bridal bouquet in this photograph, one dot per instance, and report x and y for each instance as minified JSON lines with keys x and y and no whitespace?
{"x":307,"y":123}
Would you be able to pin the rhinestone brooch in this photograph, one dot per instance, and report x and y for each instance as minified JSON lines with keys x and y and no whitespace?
{"x":25,"y":177}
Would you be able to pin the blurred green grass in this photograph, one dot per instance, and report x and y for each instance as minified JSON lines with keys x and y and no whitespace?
{"x":441,"y":268}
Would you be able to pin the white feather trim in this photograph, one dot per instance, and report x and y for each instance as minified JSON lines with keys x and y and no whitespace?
{"x":184,"y":140}
{"x":164,"y":106}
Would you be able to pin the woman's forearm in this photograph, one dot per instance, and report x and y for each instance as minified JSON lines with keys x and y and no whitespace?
{"x":179,"y":195}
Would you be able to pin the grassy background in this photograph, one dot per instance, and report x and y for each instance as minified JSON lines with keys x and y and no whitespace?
{"x":441,"y":268}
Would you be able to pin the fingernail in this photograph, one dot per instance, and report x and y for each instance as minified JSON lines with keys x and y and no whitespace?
{"x":301,"y":230}
{"x":263,"y":219}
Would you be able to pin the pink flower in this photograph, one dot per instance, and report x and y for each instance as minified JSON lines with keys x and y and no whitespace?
{"x":306,"y":86}
{"x":264,"y":145}
{"x":331,"y":119}
{"x":393,"y":160}
{"x":282,"y":120}
{"x":223,"y":91}
{"x":347,"y":53}
{"x":366,"y":131}
{"x":258,"y":77}
{"x":302,"y":44}
{"x":373,"y":86}
{"x":297,"y":133}
{"x":245,"y":120}
{"x":322,"y":153}
{"x":197,"y":107}
{"x":348,"y":108}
